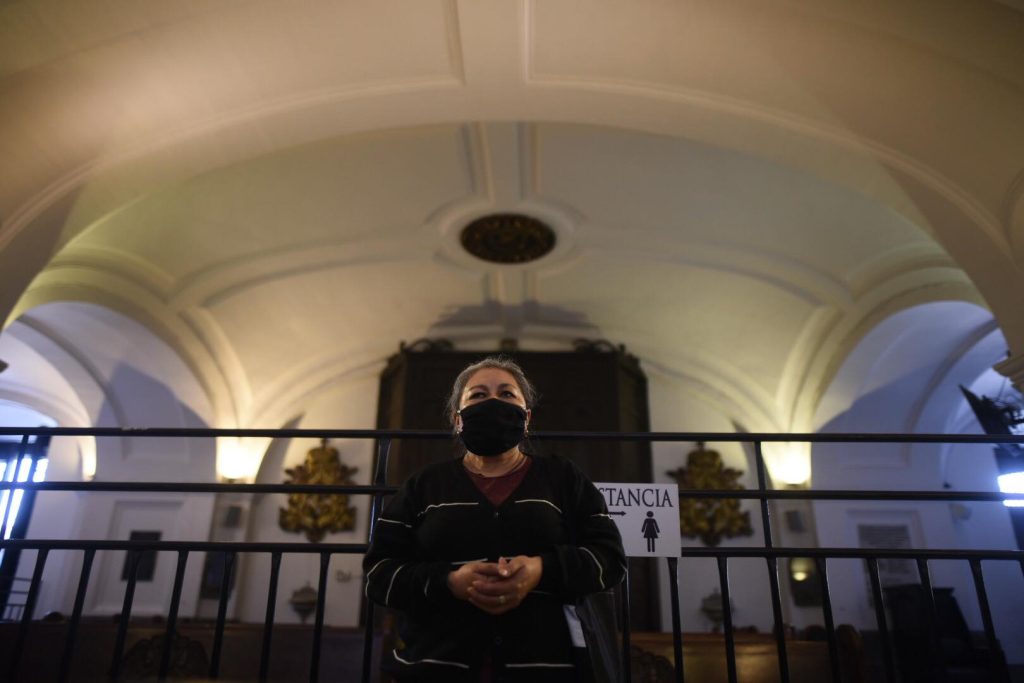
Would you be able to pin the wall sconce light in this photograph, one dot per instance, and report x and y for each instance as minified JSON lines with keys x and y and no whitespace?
{"x":788,"y":462}
{"x":238,"y":459}
{"x":804,"y":582}
{"x":800,"y":568}
{"x":87,"y":454}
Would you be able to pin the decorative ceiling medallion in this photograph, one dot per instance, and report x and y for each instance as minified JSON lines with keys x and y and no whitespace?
{"x":507,"y":238}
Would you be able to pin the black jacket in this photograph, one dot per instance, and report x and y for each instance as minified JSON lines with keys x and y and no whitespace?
{"x":439,"y":519}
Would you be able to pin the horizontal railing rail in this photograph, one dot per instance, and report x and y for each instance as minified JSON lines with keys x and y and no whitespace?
{"x":349,"y":548}
{"x":742,"y":494}
{"x":377,"y":490}
{"x":707,"y":437}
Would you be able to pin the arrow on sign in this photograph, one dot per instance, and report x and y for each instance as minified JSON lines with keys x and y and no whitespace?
{"x":621,"y":513}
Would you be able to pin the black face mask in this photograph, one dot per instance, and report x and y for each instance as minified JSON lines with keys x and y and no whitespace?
{"x":492,"y":427}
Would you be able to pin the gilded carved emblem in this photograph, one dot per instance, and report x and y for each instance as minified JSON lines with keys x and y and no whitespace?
{"x":316,"y":514}
{"x":710,"y":519}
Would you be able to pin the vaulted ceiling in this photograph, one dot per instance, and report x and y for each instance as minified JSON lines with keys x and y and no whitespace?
{"x":740,"y":191}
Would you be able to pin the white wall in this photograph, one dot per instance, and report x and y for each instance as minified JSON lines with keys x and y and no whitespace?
{"x":351,"y":404}
{"x":54,"y":515}
{"x":903,"y":378}
{"x":111,"y":372}
{"x":888,"y":384}
{"x":674,"y":407}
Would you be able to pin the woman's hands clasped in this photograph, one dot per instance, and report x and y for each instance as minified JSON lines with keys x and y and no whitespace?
{"x":496,"y":587}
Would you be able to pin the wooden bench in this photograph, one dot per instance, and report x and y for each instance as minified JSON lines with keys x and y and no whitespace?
{"x":290,"y":656}
{"x":756,"y":658}
{"x":341,"y":654}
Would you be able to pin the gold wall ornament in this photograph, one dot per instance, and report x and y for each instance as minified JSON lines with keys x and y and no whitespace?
{"x":710,"y":519}
{"x":319,"y":513}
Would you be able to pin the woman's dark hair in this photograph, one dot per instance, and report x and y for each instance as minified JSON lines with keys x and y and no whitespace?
{"x":500,"y":363}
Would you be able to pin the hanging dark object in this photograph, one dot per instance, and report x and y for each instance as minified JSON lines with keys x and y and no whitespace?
{"x":995,"y":416}
{"x":998,"y":417}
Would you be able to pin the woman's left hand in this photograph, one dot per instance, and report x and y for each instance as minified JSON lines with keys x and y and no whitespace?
{"x":507,"y":585}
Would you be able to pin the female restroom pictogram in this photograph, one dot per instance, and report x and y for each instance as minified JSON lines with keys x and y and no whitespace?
{"x":650,"y":530}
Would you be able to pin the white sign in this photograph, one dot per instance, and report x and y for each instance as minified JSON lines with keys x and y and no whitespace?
{"x":647,"y":516}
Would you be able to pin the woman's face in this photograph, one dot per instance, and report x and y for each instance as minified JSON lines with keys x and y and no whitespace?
{"x":487,"y":383}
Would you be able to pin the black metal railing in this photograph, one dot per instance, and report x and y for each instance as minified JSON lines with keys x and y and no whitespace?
{"x":229,"y":551}
{"x":16,"y":592}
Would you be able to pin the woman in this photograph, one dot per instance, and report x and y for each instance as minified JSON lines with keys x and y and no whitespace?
{"x":481,"y":553}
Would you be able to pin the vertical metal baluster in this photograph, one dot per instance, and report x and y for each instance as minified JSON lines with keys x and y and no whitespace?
{"x":126,"y":614}
{"x":938,"y":668}
{"x":172,"y":615}
{"x":31,"y":472}
{"x":773,"y":566}
{"x":379,"y":479}
{"x":730,"y":642}
{"x":883,"y":630}
{"x":830,"y":624}
{"x":10,"y":495}
{"x":627,"y":660}
{"x":367,"y":674}
{"x":222,"y":611}
{"x":7,"y":508}
{"x":26,"y":616}
{"x":318,"y":626}
{"x":268,"y":622}
{"x":997,"y":663}
{"x":25,"y":496}
{"x":677,"y":628}
{"x":76,"y":616}
{"x":13,"y":478}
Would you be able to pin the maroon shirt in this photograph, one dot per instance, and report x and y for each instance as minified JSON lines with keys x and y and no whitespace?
{"x":498,"y":489}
